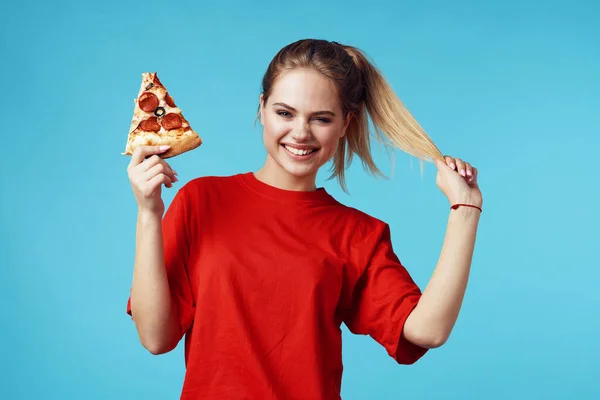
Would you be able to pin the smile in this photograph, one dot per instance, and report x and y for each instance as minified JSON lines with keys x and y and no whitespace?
{"x":300,"y":152}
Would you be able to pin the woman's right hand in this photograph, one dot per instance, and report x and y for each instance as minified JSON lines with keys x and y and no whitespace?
{"x":147,"y":173}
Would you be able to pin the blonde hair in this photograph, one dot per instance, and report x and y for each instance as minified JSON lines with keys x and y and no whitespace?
{"x":365,"y":93}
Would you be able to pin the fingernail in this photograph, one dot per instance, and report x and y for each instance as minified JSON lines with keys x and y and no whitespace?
{"x":462,"y":172}
{"x":163,"y":148}
{"x":469,"y":173}
{"x":452,"y":165}
{"x":175,"y":173}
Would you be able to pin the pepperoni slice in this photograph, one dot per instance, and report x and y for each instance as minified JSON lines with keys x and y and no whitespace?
{"x":171,"y":121}
{"x":169,"y":100}
{"x":148,"y":101}
{"x":150,"y":125}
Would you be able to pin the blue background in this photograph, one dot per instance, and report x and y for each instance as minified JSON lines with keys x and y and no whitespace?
{"x":512,"y":86}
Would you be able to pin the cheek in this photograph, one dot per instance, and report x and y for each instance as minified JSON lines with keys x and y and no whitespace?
{"x":330,"y":138}
{"x":331,"y":148}
{"x":274,"y":129}
{"x":273,"y":132}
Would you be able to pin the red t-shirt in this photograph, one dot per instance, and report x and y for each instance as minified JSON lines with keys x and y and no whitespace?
{"x":263,"y":278}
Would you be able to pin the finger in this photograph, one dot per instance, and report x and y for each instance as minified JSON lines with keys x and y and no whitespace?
{"x":460,"y":166}
{"x":468,"y":171}
{"x":155,"y":182}
{"x":141,"y":152}
{"x":160,"y":168}
{"x":450,"y":162}
{"x":154,"y":160}
{"x":441,"y":163}
{"x":149,"y":162}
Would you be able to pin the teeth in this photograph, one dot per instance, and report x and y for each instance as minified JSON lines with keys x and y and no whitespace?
{"x":299,"y":152}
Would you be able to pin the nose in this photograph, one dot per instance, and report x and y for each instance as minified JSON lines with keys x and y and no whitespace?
{"x":301,"y":132}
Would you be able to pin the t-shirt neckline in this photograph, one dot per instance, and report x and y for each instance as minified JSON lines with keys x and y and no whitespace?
{"x":275,"y":193}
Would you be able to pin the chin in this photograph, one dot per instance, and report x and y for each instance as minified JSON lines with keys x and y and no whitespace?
{"x":299,"y":172}
{"x":299,"y":166}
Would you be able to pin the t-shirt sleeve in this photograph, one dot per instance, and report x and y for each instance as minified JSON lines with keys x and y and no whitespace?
{"x":176,"y":253}
{"x":382,"y":299}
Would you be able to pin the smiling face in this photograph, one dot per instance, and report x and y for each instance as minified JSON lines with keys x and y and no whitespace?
{"x":303,"y":124}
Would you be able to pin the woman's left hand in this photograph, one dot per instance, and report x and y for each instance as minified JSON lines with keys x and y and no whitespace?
{"x":457,"y":179}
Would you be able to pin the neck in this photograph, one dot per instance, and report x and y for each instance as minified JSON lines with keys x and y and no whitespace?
{"x":275,"y":175}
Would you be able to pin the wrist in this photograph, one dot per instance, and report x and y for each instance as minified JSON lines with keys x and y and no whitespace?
{"x":466,"y":212}
{"x":149,"y":216}
{"x":467,"y":205}
{"x":475,"y":202}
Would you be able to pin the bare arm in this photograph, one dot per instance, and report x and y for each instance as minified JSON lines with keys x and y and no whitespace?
{"x":432,"y":320}
{"x":151,"y":305}
{"x":152,"y":308}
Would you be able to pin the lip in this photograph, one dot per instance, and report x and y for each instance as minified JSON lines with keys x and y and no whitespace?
{"x":300,"y":158}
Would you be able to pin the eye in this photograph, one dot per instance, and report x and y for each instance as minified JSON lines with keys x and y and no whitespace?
{"x":284,"y":113}
{"x":323,"y":119}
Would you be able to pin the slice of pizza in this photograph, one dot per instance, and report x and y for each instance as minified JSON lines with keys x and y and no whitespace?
{"x":157,"y":121}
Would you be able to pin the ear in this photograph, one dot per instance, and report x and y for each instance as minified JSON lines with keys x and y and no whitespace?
{"x":347,"y":123}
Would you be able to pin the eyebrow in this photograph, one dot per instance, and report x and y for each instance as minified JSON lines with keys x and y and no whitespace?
{"x":326,"y":112}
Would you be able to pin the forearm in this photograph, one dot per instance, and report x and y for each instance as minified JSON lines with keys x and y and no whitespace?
{"x":434,"y":317}
{"x":151,"y":305}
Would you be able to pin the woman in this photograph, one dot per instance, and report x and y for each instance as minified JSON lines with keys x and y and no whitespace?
{"x":259,"y":270}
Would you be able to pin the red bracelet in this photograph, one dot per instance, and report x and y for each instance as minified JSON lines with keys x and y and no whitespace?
{"x":454,"y":207}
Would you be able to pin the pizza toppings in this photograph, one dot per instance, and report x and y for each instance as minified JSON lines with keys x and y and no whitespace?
{"x":157,"y":119}
{"x":169,"y":100}
{"x":148,"y":101}
{"x":150,"y":125}
{"x":171,"y":121}
{"x":159,"y":111}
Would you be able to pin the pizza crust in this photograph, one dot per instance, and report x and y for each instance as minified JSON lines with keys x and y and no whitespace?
{"x":180,"y":144}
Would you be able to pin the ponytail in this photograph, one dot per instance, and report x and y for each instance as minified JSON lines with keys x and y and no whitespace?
{"x":394,"y":125}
